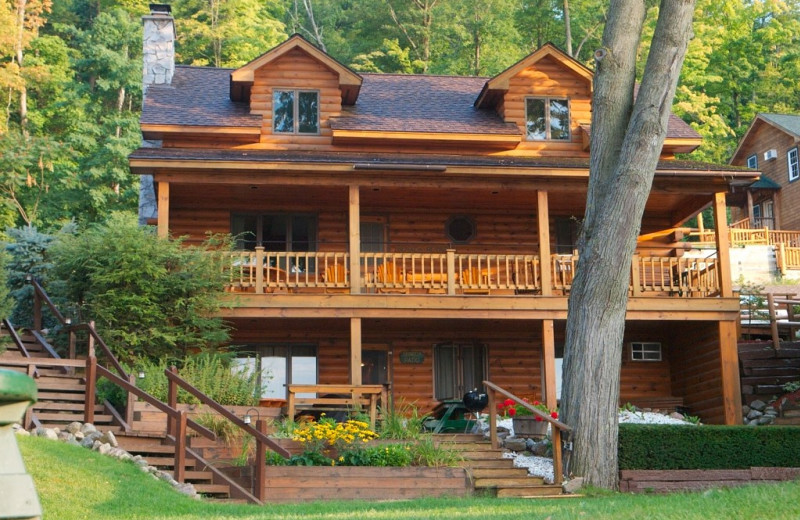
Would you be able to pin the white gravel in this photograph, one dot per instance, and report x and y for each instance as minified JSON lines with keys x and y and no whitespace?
{"x":543,"y":467}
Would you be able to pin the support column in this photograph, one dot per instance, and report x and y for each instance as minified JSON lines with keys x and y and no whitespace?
{"x":543,"y":216}
{"x":163,"y":209}
{"x":549,"y":365}
{"x":355,"y":351}
{"x":729,"y":370}
{"x":723,"y":246}
{"x":355,"y":243}
{"x":750,"y":214}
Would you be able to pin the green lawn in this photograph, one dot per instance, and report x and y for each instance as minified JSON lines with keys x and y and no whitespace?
{"x":74,"y":483}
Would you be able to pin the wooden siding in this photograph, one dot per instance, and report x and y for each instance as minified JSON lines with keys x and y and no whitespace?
{"x":763,"y":137}
{"x":296,"y":70}
{"x":548,"y":78}
{"x":696,"y":374}
{"x":641,"y":380}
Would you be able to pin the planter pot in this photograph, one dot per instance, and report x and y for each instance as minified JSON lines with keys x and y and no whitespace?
{"x":528,"y":426}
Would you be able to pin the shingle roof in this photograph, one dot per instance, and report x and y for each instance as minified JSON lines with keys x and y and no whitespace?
{"x":377,"y":159}
{"x":416,"y":103}
{"x":198,"y":96}
{"x":789,"y":123}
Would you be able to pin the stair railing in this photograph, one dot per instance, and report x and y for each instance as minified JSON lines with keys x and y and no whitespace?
{"x":19,"y":343}
{"x":259,"y":432}
{"x":558,"y":428}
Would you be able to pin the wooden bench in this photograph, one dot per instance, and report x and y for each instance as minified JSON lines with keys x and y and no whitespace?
{"x":338,"y":398}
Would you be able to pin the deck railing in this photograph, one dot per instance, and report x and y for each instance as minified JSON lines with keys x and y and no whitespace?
{"x":746,"y":236}
{"x":788,"y":258}
{"x":455,"y":273}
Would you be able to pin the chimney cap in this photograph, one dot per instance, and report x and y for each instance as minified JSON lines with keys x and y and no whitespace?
{"x":160,"y":9}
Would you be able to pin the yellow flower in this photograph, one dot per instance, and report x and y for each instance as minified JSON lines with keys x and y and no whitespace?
{"x":341,"y":459}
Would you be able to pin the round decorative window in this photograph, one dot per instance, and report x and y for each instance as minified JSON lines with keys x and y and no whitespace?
{"x":460,"y":229}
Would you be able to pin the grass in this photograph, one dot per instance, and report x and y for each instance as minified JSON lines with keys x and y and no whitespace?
{"x":74,"y":483}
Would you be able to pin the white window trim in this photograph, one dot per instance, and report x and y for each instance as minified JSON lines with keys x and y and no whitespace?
{"x":646,"y":351}
{"x":296,"y":111}
{"x":547,"y":119}
{"x":754,"y":159}
{"x":794,"y":173}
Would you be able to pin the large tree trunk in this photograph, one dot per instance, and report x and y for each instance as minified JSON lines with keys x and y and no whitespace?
{"x":625,"y":146}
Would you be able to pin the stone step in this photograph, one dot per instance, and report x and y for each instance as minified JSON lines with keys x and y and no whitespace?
{"x":514,"y":482}
{"x":540,"y":491}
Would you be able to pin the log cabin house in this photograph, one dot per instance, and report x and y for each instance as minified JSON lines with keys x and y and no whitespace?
{"x":419,"y":231}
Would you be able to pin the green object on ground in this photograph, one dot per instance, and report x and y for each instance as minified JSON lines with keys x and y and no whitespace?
{"x":17,"y":492}
{"x":449,"y":416}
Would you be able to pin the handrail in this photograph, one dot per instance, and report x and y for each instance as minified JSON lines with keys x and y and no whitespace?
{"x":173,"y":377}
{"x":107,"y":351}
{"x":45,"y":344}
{"x":774,"y":322}
{"x":18,"y":342}
{"x":39,"y":291}
{"x":170,"y":411}
{"x":557,"y":426}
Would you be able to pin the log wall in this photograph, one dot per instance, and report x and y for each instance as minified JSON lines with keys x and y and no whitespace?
{"x":765,"y":370}
{"x":696,"y":369}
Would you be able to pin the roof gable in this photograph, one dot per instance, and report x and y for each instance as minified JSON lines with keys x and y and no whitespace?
{"x":243,"y":77}
{"x":786,"y":123}
{"x":494,"y":88}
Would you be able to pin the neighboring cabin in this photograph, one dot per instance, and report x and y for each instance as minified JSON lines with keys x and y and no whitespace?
{"x":770,"y":145}
{"x":419,"y":231}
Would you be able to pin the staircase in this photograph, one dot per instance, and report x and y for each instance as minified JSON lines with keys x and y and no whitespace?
{"x":494,"y":475}
{"x":61,"y":390}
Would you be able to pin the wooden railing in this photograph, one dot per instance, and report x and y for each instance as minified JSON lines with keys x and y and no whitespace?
{"x":773,"y":306}
{"x":337,"y":397}
{"x":743,"y":236}
{"x":455,"y":273}
{"x":558,"y":428}
{"x":787,"y":258}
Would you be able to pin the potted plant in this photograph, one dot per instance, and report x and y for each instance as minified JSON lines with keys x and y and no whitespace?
{"x":526,"y":424}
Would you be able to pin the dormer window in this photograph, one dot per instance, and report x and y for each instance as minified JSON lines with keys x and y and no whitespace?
{"x":547,"y":119}
{"x":295,"y":111}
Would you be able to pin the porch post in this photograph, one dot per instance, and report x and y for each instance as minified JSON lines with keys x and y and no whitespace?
{"x":750,"y":208}
{"x":729,"y":371}
{"x":355,"y":351}
{"x":723,"y":246}
{"x":549,"y":365}
{"x":543,"y":216}
{"x":163,"y":209}
{"x":776,"y":211}
{"x":355,"y":244}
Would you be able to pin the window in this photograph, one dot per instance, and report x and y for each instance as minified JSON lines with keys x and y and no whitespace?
{"x":645,"y":351}
{"x":460,"y":229}
{"x":547,"y":119}
{"x":752,"y":161}
{"x":457,"y":369}
{"x":276,"y":232}
{"x":567,"y":230}
{"x":295,"y":112}
{"x":794,"y":167}
{"x":281,"y":365}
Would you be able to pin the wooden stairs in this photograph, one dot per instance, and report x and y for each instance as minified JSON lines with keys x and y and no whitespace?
{"x":494,"y":475}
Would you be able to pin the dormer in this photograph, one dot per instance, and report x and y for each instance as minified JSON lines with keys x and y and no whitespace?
{"x":297,"y":88}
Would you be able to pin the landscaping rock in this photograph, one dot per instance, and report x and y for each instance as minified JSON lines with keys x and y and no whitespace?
{"x":745,"y":410}
{"x":754,"y":414}
{"x":74,"y":427}
{"x":515,"y":444}
{"x":758,"y":405}
{"x":676,"y":415}
{"x":765,"y":419}
{"x":540,"y":449}
{"x":23,"y":432}
{"x":109,"y":438}
{"x":572,"y":485}
{"x":47,"y":433}
{"x":88,"y":428}
{"x":87,"y":442}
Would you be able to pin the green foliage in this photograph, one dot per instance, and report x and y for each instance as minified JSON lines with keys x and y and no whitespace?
{"x":382,"y":455}
{"x":426,"y":452}
{"x":707,"y":447}
{"x":221,"y":426}
{"x":401,"y":422}
{"x":6,"y":304}
{"x":211,"y":373}
{"x":791,"y":386}
{"x":150,"y":297}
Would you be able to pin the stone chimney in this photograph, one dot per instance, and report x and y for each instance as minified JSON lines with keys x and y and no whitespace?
{"x":158,"y":47}
{"x":158,"y":66}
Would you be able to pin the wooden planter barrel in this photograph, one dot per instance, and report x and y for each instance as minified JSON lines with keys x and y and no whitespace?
{"x":528,"y":426}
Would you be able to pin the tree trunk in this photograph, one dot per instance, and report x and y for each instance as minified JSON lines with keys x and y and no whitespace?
{"x":625,"y":147}
{"x":19,"y":46}
{"x":567,"y":29}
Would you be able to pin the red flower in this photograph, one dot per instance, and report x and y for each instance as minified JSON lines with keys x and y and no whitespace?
{"x":508,"y":402}
{"x":554,"y":415}
{"x":539,"y":419}
{"x":512,"y":412}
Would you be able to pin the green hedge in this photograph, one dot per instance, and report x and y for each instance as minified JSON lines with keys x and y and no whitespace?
{"x":644,"y":446}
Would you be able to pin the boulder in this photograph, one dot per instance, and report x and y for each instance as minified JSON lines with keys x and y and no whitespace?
{"x":109,"y":438}
{"x":88,"y":428}
{"x":758,"y":405}
{"x":572,"y":485}
{"x":515,"y":444}
{"x":74,"y":427}
{"x":754,"y":414}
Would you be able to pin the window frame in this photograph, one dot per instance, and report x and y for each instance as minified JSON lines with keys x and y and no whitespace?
{"x":259,"y":235}
{"x":652,"y":355}
{"x":296,"y":111}
{"x":754,"y":159}
{"x":793,"y":152}
{"x":257,"y":351}
{"x":548,"y":126}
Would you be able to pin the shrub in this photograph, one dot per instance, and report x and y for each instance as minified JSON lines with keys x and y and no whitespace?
{"x":707,"y":447}
{"x":211,"y":373}
{"x":426,"y":452}
{"x":402,"y":422}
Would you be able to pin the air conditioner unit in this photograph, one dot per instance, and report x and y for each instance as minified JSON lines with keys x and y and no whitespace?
{"x":770,"y":154}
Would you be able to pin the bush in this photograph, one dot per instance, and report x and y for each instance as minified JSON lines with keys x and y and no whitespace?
{"x":211,"y":373}
{"x":707,"y":447}
{"x":150,"y":297}
{"x":401,"y":422}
